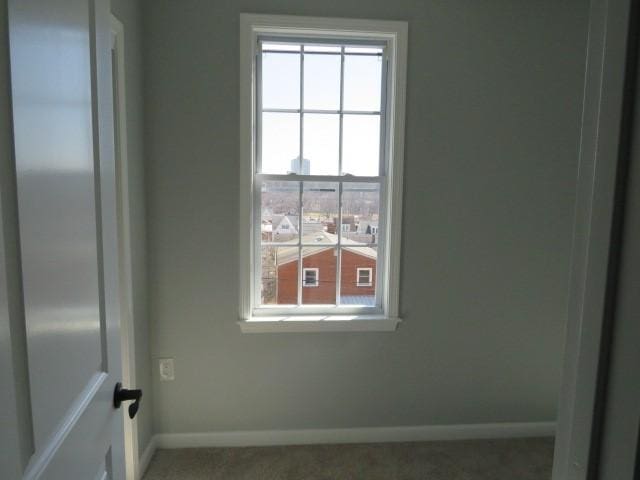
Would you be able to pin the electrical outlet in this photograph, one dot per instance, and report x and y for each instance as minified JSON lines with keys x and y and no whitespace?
{"x":167,"y":373}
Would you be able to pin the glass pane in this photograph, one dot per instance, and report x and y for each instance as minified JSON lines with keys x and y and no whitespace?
{"x":354,"y":260}
{"x":321,"y":144}
{"x":280,"y":80}
{"x":361,"y":145}
{"x":360,"y":213}
{"x":321,"y":48}
{"x":280,"y":211}
{"x":364,"y":50}
{"x":362,"y":82}
{"x":281,"y":47}
{"x":319,"y":212}
{"x":320,"y":262}
{"x":280,"y":139}
{"x":321,"y":82}
{"x":279,"y":279}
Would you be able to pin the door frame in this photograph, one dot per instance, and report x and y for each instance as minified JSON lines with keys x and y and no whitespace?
{"x":597,"y":238}
{"x":127,"y":329}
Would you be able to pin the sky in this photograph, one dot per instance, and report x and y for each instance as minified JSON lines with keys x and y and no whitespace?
{"x":281,"y":131}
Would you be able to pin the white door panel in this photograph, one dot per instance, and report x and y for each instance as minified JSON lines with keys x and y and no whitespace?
{"x":60,"y":52}
{"x":51,"y":81}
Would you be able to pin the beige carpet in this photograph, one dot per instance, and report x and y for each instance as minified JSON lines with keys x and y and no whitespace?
{"x":517,"y":459}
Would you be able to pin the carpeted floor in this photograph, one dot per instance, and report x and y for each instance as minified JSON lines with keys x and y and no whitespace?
{"x":517,"y":459}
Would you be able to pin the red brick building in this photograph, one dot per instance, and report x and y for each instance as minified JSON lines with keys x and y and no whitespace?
{"x":357,"y":282}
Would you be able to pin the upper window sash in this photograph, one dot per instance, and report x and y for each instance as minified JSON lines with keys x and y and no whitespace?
{"x":348,"y":48}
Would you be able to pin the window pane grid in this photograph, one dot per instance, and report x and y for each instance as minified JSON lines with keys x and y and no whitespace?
{"x":340,"y":187}
{"x":341,"y":140}
{"x":317,"y":52}
{"x":294,"y":44}
{"x":300,"y":256}
{"x":320,"y":111}
{"x":358,"y":288}
{"x":307,"y":244}
{"x":278,"y":192}
{"x":268,"y":177}
{"x":339,"y":229}
{"x":341,"y":111}
{"x":302,"y":177}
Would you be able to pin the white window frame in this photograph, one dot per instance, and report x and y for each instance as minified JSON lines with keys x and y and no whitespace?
{"x":385,"y":316}
{"x":364,"y":284}
{"x":304,"y":277}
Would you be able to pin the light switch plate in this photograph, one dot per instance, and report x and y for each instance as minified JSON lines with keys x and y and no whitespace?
{"x":167,"y":372}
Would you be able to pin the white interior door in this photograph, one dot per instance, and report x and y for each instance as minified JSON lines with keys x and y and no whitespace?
{"x":63,"y":132}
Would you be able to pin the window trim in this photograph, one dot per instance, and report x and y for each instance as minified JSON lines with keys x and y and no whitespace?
{"x":394,"y":34}
{"x":304,"y":277}
{"x":364,"y":284}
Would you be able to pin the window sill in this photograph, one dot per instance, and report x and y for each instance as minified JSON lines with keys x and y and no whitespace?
{"x":319,"y":323}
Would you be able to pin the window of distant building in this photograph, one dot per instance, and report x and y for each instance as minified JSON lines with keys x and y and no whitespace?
{"x":310,"y":277}
{"x":363,"y":276}
{"x":322,"y":123}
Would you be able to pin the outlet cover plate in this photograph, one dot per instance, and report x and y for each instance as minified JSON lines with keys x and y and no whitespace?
{"x":167,"y":372}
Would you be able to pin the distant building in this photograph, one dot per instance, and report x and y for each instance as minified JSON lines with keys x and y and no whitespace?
{"x":306,"y":166}
{"x":353,"y":228}
{"x":266,"y":231}
{"x":349,"y":224}
{"x":284,"y":227}
{"x":357,"y":280}
{"x":367,"y":231}
{"x":368,"y":228}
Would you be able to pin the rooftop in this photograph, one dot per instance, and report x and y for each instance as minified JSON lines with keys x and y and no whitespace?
{"x":325,"y":241}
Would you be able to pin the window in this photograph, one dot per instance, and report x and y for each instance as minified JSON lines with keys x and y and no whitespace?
{"x":363,"y":277}
{"x":321,"y":119}
{"x":310,"y":276}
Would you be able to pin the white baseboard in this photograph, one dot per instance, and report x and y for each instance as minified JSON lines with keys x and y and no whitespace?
{"x":353,"y":435}
{"x":146,"y":456}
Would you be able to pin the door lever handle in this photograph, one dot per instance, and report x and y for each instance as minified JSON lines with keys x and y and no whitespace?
{"x":124,"y":395}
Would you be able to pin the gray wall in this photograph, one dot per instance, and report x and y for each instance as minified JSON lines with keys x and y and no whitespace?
{"x":493,"y":111}
{"x":129,"y":12}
